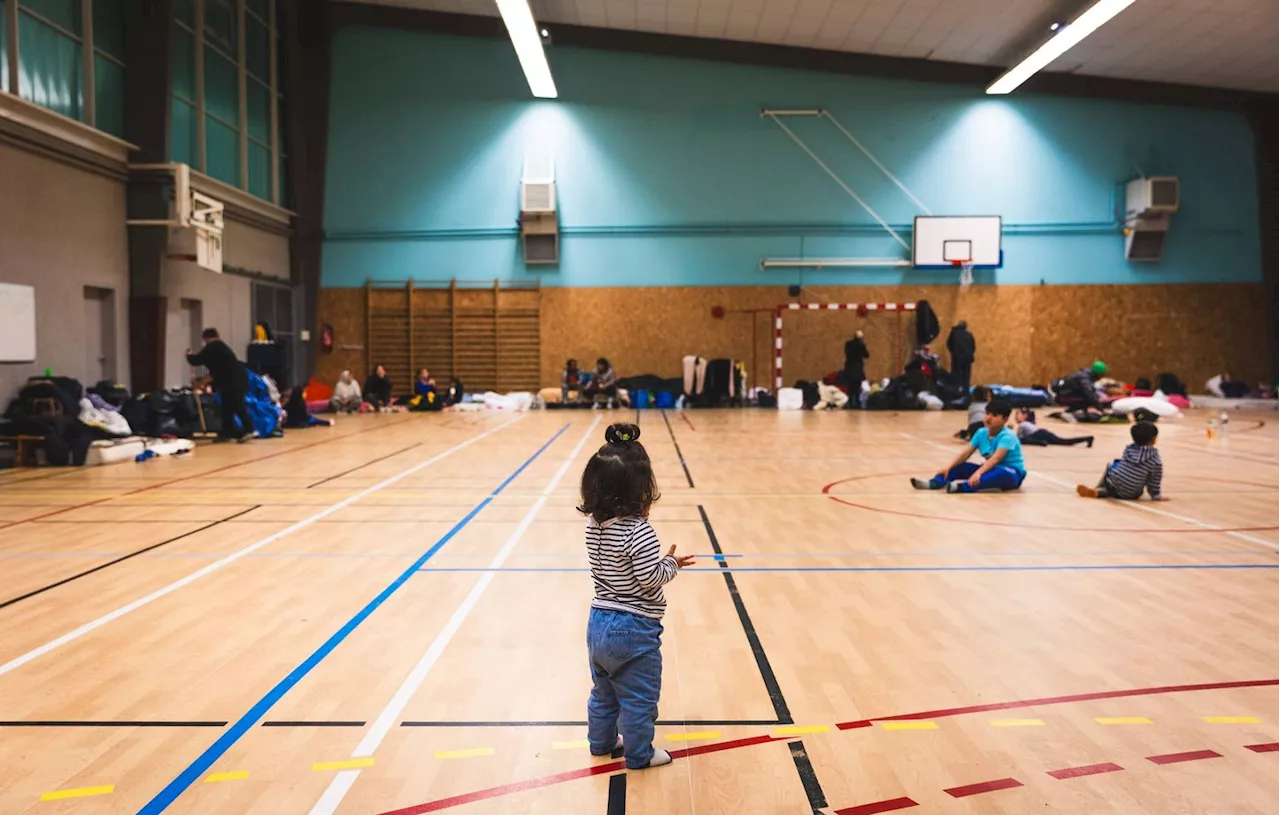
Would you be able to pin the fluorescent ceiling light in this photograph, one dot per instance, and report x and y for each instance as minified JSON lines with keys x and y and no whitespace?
{"x":524,"y":36}
{"x":1059,"y":44}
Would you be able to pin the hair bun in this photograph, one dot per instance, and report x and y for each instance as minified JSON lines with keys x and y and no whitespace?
{"x":622,"y":433}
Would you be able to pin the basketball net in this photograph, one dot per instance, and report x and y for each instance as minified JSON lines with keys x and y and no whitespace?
{"x":966,"y":273}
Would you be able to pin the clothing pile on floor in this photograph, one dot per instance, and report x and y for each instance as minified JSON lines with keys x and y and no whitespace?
{"x":713,"y":382}
{"x":106,"y":424}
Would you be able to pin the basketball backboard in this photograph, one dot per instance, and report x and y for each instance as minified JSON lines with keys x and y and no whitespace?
{"x":941,"y":242}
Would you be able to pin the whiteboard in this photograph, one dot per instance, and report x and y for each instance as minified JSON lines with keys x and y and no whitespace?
{"x":17,"y":323}
{"x":936,"y":241}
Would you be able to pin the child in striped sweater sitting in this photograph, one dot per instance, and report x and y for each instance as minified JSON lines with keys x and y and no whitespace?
{"x":1138,"y":469}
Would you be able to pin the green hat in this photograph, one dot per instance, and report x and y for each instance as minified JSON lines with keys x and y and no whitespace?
{"x":1099,"y":368}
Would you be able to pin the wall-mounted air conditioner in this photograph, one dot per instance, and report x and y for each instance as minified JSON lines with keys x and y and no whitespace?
{"x":539,"y":226}
{"x":1149,"y":205}
{"x":1151,"y":196}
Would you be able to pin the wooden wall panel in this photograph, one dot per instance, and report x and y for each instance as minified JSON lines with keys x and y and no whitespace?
{"x":1026,"y":334}
{"x":344,"y":309}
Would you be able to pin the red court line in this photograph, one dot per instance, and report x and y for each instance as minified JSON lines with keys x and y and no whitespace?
{"x":983,"y":522}
{"x":892,"y":805}
{"x":518,"y":786}
{"x":1088,"y":769}
{"x":180,"y":479}
{"x":1058,"y":700}
{"x":685,"y":416}
{"x":1177,"y":758}
{"x":984,"y":786}
{"x":1263,"y":748}
{"x":599,"y":769}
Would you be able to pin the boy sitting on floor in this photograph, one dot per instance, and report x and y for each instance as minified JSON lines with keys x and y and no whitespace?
{"x":1139,"y":468}
{"x":1003,"y":469}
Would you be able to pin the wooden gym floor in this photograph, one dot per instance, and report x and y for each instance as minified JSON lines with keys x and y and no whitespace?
{"x":387,"y":617}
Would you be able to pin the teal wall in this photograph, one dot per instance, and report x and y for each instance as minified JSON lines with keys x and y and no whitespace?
{"x":667,"y":175}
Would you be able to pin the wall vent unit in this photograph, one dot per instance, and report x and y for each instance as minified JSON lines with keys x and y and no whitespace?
{"x":1151,"y":196}
{"x":1145,"y":238}
{"x":539,"y":225}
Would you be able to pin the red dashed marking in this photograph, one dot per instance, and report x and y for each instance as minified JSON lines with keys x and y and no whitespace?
{"x":1088,"y":769}
{"x":983,"y":786}
{"x":892,"y":805}
{"x":1263,"y":748}
{"x":1175,"y":758}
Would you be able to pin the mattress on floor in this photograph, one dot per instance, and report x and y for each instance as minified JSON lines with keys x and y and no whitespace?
{"x":1205,"y":401}
{"x":113,"y":451}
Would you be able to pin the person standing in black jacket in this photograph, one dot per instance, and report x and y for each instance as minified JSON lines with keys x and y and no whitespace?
{"x":855,"y":373}
{"x":962,"y":347}
{"x":230,"y":380}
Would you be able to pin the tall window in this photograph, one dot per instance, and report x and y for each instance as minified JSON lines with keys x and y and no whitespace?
{"x":226,"y":100}
{"x":70,"y":58}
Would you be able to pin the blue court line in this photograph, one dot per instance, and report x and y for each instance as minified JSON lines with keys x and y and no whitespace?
{"x":1064,"y":568}
{"x":241,"y":726}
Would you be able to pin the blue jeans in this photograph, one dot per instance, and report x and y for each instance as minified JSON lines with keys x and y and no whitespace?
{"x":997,"y":478}
{"x":624,"y":651}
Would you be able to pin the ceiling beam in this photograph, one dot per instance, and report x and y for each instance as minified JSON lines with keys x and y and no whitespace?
{"x":784,"y":56}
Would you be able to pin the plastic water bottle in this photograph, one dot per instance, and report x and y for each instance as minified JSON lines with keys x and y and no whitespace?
{"x":1222,"y":422}
{"x":1211,"y":428}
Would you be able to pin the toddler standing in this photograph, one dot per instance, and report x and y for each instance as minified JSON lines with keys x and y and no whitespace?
{"x":624,"y":629}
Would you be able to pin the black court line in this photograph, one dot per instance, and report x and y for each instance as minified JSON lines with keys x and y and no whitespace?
{"x":812,"y":788}
{"x":125,"y":723}
{"x":617,"y":794}
{"x":757,"y":649}
{"x":366,"y":464}
{"x":120,"y":559}
{"x":687,"y":476}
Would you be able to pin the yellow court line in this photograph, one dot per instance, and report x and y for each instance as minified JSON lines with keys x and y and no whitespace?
{"x":1123,"y":720}
{"x":348,"y":764}
{"x":799,"y":730}
{"x":1017,"y":722}
{"x":909,"y":725}
{"x":570,"y":745}
{"x":234,"y":775}
{"x":80,"y":792}
{"x":1230,"y":719}
{"x":470,"y":753}
{"x":696,"y":736}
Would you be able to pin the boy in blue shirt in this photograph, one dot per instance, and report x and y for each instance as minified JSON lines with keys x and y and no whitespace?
{"x":1003,"y":469}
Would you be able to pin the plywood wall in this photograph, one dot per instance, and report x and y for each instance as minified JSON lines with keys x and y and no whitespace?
{"x":1025,"y":334}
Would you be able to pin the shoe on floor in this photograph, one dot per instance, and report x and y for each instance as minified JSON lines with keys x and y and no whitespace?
{"x":616,"y":746}
{"x":1086,"y":492}
{"x":1089,"y":443}
{"x":922,"y":484}
{"x":660,"y":757}
{"x":250,"y":436}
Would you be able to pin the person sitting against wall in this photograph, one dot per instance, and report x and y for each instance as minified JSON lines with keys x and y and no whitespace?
{"x":347,"y":397}
{"x":603,"y":385}
{"x":425,"y":396}
{"x":377,"y":389}
{"x":570,"y":382}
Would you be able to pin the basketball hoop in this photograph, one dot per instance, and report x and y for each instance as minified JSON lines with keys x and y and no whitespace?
{"x":965,"y":268}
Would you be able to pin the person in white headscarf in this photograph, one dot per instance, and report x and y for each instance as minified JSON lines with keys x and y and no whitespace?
{"x":346,"y":394}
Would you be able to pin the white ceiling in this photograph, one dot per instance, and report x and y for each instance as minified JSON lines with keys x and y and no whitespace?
{"x":1219,"y":43}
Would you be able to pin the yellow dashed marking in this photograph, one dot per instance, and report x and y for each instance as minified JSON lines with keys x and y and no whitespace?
{"x":697,"y":736}
{"x":1017,"y":722}
{"x":800,"y":730}
{"x":471,"y":753}
{"x":909,"y":725}
{"x":80,"y":792}
{"x":1124,"y":720}
{"x":234,"y":775}
{"x":570,"y":745}
{"x":349,"y":764}
{"x":1230,"y":719}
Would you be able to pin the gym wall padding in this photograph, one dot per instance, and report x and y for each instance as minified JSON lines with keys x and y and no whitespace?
{"x":1025,"y":334}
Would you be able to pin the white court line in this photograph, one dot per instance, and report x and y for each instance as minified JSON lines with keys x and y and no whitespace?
{"x":1186,"y":520}
{"x":75,"y":634}
{"x":343,"y":781}
{"x":1134,"y":504}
